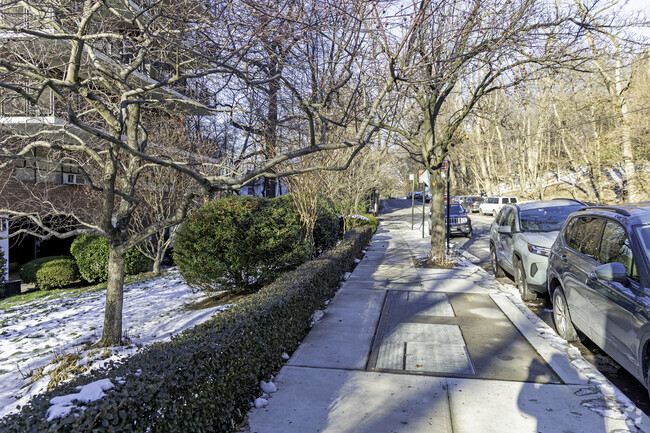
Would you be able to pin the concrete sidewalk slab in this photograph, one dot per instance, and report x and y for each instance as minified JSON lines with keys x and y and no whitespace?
{"x":338,"y":401}
{"x":343,"y":337}
{"x":496,"y":406}
{"x":453,"y":285}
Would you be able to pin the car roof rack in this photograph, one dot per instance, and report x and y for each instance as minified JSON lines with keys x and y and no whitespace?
{"x":569,"y":199}
{"x":618,"y":210}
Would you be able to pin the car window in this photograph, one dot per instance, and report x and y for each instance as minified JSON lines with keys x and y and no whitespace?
{"x":545,"y":219}
{"x":513,"y":200}
{"x":492,"y":200}
{"x":644,"y":235}
{"x":616,"y":247}
{"x":568,"y":232}
{"x":503,"y":214}
{"x":455,"y":209}
{"x":585,"y":236}
{"x":510,"y":220}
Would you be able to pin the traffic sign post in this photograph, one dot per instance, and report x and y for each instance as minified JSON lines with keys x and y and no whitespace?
{"x":412,"y":179}
{"x":426,"y":181}
{"x":446,"y":166}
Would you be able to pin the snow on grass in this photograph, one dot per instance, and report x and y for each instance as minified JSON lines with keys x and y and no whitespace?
{"x":33,"y":334}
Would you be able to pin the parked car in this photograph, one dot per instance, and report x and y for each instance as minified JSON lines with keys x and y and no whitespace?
{"x":520,"y":240}
{"x":492,"y":205}
{"x":459,"y":221}
{"x":471,"y":204}
{"x":599,"y":278}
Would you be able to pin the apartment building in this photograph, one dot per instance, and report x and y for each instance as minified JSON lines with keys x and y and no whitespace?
{"x":49,"y":175}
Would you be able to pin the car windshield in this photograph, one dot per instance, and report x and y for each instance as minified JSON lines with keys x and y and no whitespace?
{"x":644,"y":235}
{"x":455,"y":209}
{"x":545,"y":219}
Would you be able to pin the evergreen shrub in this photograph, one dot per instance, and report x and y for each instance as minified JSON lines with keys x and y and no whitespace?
{"x":239,"y":243}
{"x":91,"y":255}
{"x":28,"y":270}
{"x":326,"y":230}
{"x":58,"y":273}
{"x":205,"y":378}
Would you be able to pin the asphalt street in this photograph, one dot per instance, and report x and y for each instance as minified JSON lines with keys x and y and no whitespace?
{"x":478,"y":246}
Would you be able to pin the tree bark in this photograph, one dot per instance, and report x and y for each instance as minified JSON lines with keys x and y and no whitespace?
{"x":112,"y":332}
{"x":438,"y":231}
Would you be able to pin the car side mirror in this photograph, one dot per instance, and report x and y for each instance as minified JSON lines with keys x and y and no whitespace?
{"x":612,"y":272}
{"x":505,"y":230}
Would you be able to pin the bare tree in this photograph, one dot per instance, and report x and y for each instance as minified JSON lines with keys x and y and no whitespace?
{"x":447,"y":58}
{"x":612,"y":54}
{"x":109,"y":75}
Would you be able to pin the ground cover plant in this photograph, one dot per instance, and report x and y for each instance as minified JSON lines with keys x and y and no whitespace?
{"x":204,"y":378}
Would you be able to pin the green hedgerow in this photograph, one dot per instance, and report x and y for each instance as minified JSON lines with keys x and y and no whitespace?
{"x":239,"y":243}
{"x":58,"y":273}
{"x":203,"y":379}
{"x":91,"y":255}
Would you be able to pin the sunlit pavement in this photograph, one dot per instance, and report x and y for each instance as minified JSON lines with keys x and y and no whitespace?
{"x":410,"y":349}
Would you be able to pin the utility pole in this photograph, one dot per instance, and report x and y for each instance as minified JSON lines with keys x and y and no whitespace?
{"x":412,"y":179}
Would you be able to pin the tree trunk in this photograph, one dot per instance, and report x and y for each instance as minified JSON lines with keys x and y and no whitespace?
{"x":438,"y":231}
{"x":632,"y":189}
{"x":156,"y":264}
{"x":112,"y":333}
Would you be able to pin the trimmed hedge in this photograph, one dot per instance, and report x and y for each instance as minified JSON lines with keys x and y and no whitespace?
{"x":58,"y":273}
{"x":239,"y":243}
{"x":205,"y":378}
{"x":28,"y":270}
{"x":91,"y":255}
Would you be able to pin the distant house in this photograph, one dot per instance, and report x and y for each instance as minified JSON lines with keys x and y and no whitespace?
{"x":265,"y":187}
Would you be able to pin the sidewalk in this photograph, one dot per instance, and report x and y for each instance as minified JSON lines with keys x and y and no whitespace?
{"x":402,"y":348}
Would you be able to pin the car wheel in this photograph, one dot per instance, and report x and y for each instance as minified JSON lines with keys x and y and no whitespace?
{"x":522,"y":284}
{"x":494,"y":262}
{"x":562,"y":317}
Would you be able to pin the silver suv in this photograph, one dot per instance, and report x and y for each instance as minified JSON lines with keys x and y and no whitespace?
{"x":520,"y":240}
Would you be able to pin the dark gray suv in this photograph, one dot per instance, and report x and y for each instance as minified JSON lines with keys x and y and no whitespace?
{"x":599,"y":281}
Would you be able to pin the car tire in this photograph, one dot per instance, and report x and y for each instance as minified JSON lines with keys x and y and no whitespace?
{"x":562,"y":317}
{"x":494,"y":263}
{"x":522,"y":284}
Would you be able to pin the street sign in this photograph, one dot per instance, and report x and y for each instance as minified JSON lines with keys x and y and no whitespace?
{"x":445,"y":164}
{"x":424,"y":177}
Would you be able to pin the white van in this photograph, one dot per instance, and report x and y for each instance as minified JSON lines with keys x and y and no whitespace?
{"x":492,"y":205}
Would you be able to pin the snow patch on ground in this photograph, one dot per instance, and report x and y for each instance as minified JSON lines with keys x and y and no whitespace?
{"x":34,"y":333}
{"x":315,"y":318}
{"x":64,"y":404}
